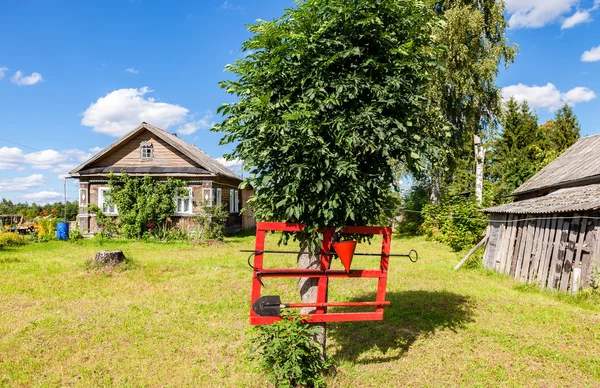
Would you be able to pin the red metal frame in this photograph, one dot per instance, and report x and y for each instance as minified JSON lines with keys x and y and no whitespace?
{"x":324,"y":273}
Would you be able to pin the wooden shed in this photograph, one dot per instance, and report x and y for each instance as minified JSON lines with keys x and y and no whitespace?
{"x":550,"y":235}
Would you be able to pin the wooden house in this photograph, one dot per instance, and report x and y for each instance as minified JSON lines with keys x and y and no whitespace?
{"x":549,"y":235}
{"x":148,"y":150}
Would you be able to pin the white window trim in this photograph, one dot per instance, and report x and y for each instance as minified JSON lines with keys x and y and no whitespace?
{"x":101,"y":202}
{"x":191,"y":208}
{"x":207,"y":195}
{"x":237,"y":201}
{"x":231,"y":201}
{"x":219,"y":196}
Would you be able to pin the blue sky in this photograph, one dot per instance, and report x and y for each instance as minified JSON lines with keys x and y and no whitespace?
{"x":75,"y":75}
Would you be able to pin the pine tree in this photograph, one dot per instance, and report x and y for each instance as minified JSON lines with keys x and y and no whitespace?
{"x":564,"y":130}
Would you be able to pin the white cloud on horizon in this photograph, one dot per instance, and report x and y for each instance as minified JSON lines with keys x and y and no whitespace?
{"x":44,"y":197}
{"x":22,"y":184}
{"x":548,"y":96}
{"x":28,"y":80}
{"x":592,"y":55}
{"x":121,"y":110}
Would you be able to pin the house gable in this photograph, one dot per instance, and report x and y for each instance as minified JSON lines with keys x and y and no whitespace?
{"x":128,"y":154}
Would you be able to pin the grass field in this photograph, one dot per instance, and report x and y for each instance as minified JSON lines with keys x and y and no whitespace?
{"x":178,"y":316}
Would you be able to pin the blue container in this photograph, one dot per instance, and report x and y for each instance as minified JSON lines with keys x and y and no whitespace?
{"x":62,"y":231}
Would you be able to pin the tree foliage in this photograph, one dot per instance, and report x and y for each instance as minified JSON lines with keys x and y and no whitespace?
{"x":144,"y":203}
{"x":475,"y":45}
{"x":331,"y":92}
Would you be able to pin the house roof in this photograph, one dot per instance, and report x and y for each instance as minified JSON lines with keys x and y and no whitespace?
{"x":572,"y":199}
{"x":579,"y":164}
{"x":208,"y":165}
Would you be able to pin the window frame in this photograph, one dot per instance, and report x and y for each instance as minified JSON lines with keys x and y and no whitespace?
{"x":146,"y":147}
{"x":231,"y":201}
{"x":101,"y":194}
{"x":190,"y":196}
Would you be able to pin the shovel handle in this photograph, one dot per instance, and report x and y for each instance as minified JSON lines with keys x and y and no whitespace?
{"x":335,"y":304}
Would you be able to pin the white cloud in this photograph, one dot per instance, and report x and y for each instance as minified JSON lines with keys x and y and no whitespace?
{"x":28,"y":80}
{"x":592,"y":55}
{"x":3,"y":71}
{"x":22,"y":184}
{"x":10,"y":158}
{"x":537,"y":13}
{"x":577,"y":95}
{"x":205,"y":122}
{"x":577,"y":18}
{"x":45,"y":158}
{"x":122,"y":110}
{"x":548,"y":96}
{"x":234,"y":165}
{"x":95,"y":150}
{"x":78,"y":155}
{"x":44,"y":197}
{"x":132,"y":70}
{"x":231,"y":7}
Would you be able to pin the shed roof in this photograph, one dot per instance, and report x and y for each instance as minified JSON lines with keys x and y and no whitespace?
{"x":581,"y":162}
{"x":208,"y":164}
{"x":572,"y":199}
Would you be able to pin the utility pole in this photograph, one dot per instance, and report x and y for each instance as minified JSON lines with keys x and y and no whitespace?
{"x":479,"y":160}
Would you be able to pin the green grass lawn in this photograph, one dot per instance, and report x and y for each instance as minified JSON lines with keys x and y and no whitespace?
{"x":178,"y":316}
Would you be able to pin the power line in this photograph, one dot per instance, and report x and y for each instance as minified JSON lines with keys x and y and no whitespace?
{"x":20,"y":145}
{"x":501,"y":221}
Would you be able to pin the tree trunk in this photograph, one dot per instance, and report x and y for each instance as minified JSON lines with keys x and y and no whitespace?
{"x":308,"y":291}
{"x":109,"y":257}
{"x":436,"y":177}
{"x":479,"y":160}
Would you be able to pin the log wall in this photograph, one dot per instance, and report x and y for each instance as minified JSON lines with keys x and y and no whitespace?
{"x":555,"y":251}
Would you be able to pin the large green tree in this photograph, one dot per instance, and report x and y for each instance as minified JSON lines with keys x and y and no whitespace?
{"x":331,"y":92}
{"x":330,"y":95}
{"x":473,"y":33}
{"x":564,"y":130}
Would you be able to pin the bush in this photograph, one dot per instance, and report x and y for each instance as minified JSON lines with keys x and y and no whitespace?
{"x":413,"y":204}
{"x":46,"y":227}
{"x":460,"y":224}
{"x":286,"y":350}
{"x":9,"y":239}
{"x":211,"y":222}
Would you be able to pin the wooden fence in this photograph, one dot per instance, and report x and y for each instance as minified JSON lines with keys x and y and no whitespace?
{"x":556,"y":251}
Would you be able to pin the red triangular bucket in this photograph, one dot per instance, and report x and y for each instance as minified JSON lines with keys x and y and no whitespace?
{"x":345,"y":251}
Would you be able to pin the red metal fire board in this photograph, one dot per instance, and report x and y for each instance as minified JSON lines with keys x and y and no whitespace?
{"x":324,"y":273}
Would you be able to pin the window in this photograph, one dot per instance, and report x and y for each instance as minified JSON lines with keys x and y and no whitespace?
{"x":231,"y":200}
{"x":219,"y":196}
{"x":237,"y":201}
{"x":207,"y":195}
{"x":106,"y":204}
{"x":184,"y":205}
{"x":146,"y":150}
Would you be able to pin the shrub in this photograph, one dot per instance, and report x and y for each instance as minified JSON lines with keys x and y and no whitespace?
{"x":286,"y":350}
{"x":460,"y":224}
{"x":9,"y":239}
{"x":109,"y":226}
{"x":211,"y":222}
{"x":413,"y":203}
{"x":46,"y":227}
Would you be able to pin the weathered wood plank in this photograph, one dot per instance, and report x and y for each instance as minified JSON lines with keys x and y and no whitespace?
{"x":512,"y":244}
{"x":503,"y":242}
{"x":570,"y":253}
{"x":526,"y":258}
{"x":547,"y":254}
{"x":473,"y":250}
{"x":558,"y":254}
{"x":588,"y":251}
{"x":492,"y":246}
{"x":522,"y":227}
{"x":537,"y":247}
